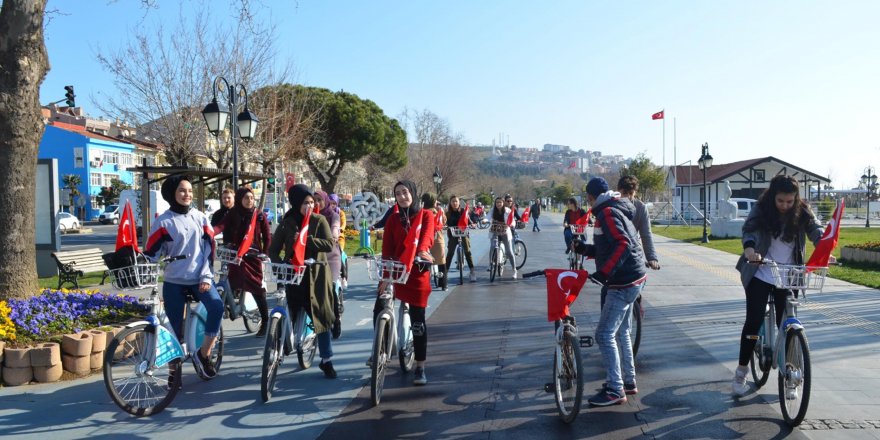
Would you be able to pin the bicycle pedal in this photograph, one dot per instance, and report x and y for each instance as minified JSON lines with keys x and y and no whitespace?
{"x":550,"y":387}
{"x":586,"y":341}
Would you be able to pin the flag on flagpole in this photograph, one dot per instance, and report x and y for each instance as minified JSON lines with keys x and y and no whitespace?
{"x":412,"y":241}
{"x":563,"y":287}
{"x":658,"y":115}
{"x":126,"y":234}
{"x":463,"y":220}
{"x":248,"y":236}
{"x":828,"y":241}
{"x":299,"y":247}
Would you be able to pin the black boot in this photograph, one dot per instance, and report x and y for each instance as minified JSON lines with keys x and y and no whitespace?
{"x":263,"y":307}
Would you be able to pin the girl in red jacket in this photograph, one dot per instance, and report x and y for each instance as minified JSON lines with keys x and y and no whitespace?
{"x":418,"y":287}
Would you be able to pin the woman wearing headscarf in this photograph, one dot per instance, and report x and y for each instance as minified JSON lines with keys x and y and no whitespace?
{"x":334,"y":257}
{"x":315,"y":293}
{"x":184,"y":231}
{"x":418,"y":286}
{"x":438,"y":250}
{"x":247,"y":276}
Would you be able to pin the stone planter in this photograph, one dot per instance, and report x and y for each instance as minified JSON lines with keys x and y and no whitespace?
{"x":859,"y":255}
{"x":96,"y":360}
{"x":78,"y":344}
{"x":99,"y":340}
{"x":17,"y":357}
{"x":78,"y":365}
{"x":13,"y":376}
{"x":47,"y":354}
{"x":48,"y":374}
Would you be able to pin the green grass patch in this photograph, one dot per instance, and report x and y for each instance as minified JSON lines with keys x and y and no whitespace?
{"x":89,"y":280}
{"x":352,"y":245}
{"x":861,"y":274}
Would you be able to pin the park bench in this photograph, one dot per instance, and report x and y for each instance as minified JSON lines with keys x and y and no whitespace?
{"x":74,"y":264}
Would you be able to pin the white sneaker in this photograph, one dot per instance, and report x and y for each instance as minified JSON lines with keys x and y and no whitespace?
{"x":473,"y":276}
{"x":739,"y":386}
{"x":515,"y":274}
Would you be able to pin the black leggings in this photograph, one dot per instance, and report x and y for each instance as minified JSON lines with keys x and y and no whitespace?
{"x":757,"y":294}
{"x":419,"y":327}
{"x":465,"y":246}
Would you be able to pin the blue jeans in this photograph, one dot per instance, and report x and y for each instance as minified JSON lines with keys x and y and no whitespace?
{"x":616,"y":320}
{"x":535,"y":226}
{"x":174,"y":297}
{"x":325,"y":347}
{"x":566,"y":233}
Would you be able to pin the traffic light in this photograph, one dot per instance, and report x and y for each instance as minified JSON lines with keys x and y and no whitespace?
{"x":70,"y":97}
{"x":270,"y":184}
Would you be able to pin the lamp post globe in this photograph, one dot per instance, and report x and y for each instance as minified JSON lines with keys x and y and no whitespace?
{"x":705,"y":162}
{"x":869,"y":180}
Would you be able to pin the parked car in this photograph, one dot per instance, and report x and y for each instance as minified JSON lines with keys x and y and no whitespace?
{"x":67,"y":222}
{"x":110,"y":215}
{"x":743,"y":206}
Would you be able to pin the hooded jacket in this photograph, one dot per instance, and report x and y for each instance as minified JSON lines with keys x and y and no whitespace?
{"x":619,"y":257}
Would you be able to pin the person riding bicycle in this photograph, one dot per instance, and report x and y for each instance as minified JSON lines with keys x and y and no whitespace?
{"x":572,"y":215}
{"x":182,"y":230}
{"x":247,"y":276}
{"x":438,"y":250}
{"x":418,"y":286}
{"x":620,"y":265}
{"x":777,"y":228}
{"x":325,"y":207}
{"x":502,"y":218}
{"x":315,"y":293}
{"x":343,"y":223}
{"x":454,"y":213}
{"x":509,"y":204}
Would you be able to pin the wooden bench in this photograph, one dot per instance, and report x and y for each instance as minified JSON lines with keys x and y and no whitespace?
{"x":74,"y":264}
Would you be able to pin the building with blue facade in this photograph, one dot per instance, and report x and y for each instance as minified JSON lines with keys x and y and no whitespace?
{"x":96,"y":158}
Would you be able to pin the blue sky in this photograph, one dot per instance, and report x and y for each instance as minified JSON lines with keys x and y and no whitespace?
{"x":792,"y":79}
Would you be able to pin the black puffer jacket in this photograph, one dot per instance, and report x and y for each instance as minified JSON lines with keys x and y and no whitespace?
{"x":619,"y":257}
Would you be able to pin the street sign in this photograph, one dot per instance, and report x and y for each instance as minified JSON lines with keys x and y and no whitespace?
{"x":81,"y":200}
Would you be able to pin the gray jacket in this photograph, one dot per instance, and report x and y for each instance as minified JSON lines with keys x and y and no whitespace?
{"x":759,"y":238}
{"x":643,"y":224}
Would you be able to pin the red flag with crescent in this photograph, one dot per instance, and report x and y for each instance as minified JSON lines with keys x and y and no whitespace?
{"x":658,"y":115}
{"x":511,"y":220}
{"x":126,"y":234}
{"x":585,"y":220}
{"x":249,"y":236}
{"x":828,"y":241}
{"x":463,"y":220}
{"x":412,"y":241}
{"x":289,"y":181}
{"x":525,"y":215}
{"x":563,"y":287}
{"x":299,"y":247}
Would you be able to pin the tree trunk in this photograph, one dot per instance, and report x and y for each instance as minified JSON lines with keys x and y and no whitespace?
{"x":25,"y":63}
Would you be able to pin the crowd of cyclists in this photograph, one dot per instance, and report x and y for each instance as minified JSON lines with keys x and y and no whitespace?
{"x":621,"y":244}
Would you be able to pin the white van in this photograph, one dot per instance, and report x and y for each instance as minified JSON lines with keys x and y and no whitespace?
{"x":743,"y":206}
{"x":158,"y":205}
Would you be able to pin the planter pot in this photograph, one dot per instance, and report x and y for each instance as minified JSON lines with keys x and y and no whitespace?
{"x":17,"y":376}
{"x":46,"y":355}
{"x":859,"y":255}
{"x":48,"y":374}
{"x":17,"y":357}
{"x":79,"y":365}
{"x":2,"y":349}
{"x":78,"y":344}
{"x":96,"y":360}
{"x":99,"y":340}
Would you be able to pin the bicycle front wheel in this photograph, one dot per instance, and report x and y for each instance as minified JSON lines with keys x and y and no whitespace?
{"x":137,"y":387}
{"x":273,"y":354}
{"x":568,"y":378}
{"x":519,"y":249}
{"x":493,"y":264}
{"x":760,"y":362}
{"x":794,"y":378}
{"x":380,"y":358}
{"x":636,"y":327}
{"x":460,"y":251}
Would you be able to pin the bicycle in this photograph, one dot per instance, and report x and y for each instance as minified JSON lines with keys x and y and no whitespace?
{"x":389,"y":337}
{"x":786,"y":348}
{"x":459,"y":234}
{"x":143,"y":362}
{"x":239,"y":303}
{"x":497,"y":256}
{"x":519,"y":247}
{"x":284,"y":337}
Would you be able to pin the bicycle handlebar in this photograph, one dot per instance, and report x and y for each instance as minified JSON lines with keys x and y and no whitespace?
{"x":174,"y":258}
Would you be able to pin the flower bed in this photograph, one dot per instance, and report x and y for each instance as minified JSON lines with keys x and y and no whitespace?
{"x":861,"y":253}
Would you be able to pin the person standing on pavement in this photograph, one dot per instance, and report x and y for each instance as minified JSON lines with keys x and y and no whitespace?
{"x":315,"y":293}
{"x":184,"y":231}
{"x":536,"y":212}
{"x":418,"y":286}
{"x":227,"y":201}
{"x":777,"y":228}
{"x":455,"y":212}
{"x":438,"y":250}
{"x":248,"y":275}
{"x":620,"y":266}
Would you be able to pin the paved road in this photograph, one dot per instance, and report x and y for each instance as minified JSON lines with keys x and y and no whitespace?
{"x":489,"y":356}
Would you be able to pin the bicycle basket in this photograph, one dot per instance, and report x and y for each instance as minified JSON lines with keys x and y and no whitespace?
{"x":458,"y":232}
{"x":227,"y":255}
{"x":286,"y":274}
{"x":799,"y":277}
{"x":137,"y":276}
{"x":520,"y":225}
{"x":391,"y":271}
{"x":498,"y":229}
{"x":580,"y":229}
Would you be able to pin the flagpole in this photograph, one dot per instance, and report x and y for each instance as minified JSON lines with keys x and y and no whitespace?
{"x":664,"y":138}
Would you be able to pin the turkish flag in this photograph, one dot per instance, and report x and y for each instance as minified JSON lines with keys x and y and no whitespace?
{"x":299,"y":247}
{"x":585,"y":220}
{"x":249,"y":236}
{"x":563,"y":287}
{"x":510,"y":219}
{"x":126,"y":235}
{"x":572,"y":164}
{"x":658,"y":115}
{"x":412,"y":241}
{"x":525,"y":215}
{"x":463,"y":220}
{"x":289,"y":181}
{"x":828,"y":242}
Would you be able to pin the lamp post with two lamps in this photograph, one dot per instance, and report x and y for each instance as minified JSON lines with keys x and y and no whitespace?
{"x":705,"y":162}
{"x":869,"y":180}
{"x":217,"y":115}
{"x":438,"y":179}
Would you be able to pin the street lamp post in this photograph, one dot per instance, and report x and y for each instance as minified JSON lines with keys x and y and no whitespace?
{"x":438,"y":179}
{"x":217,"y":115}
{"x":705,"y":163}
{"x":869,"y":179}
